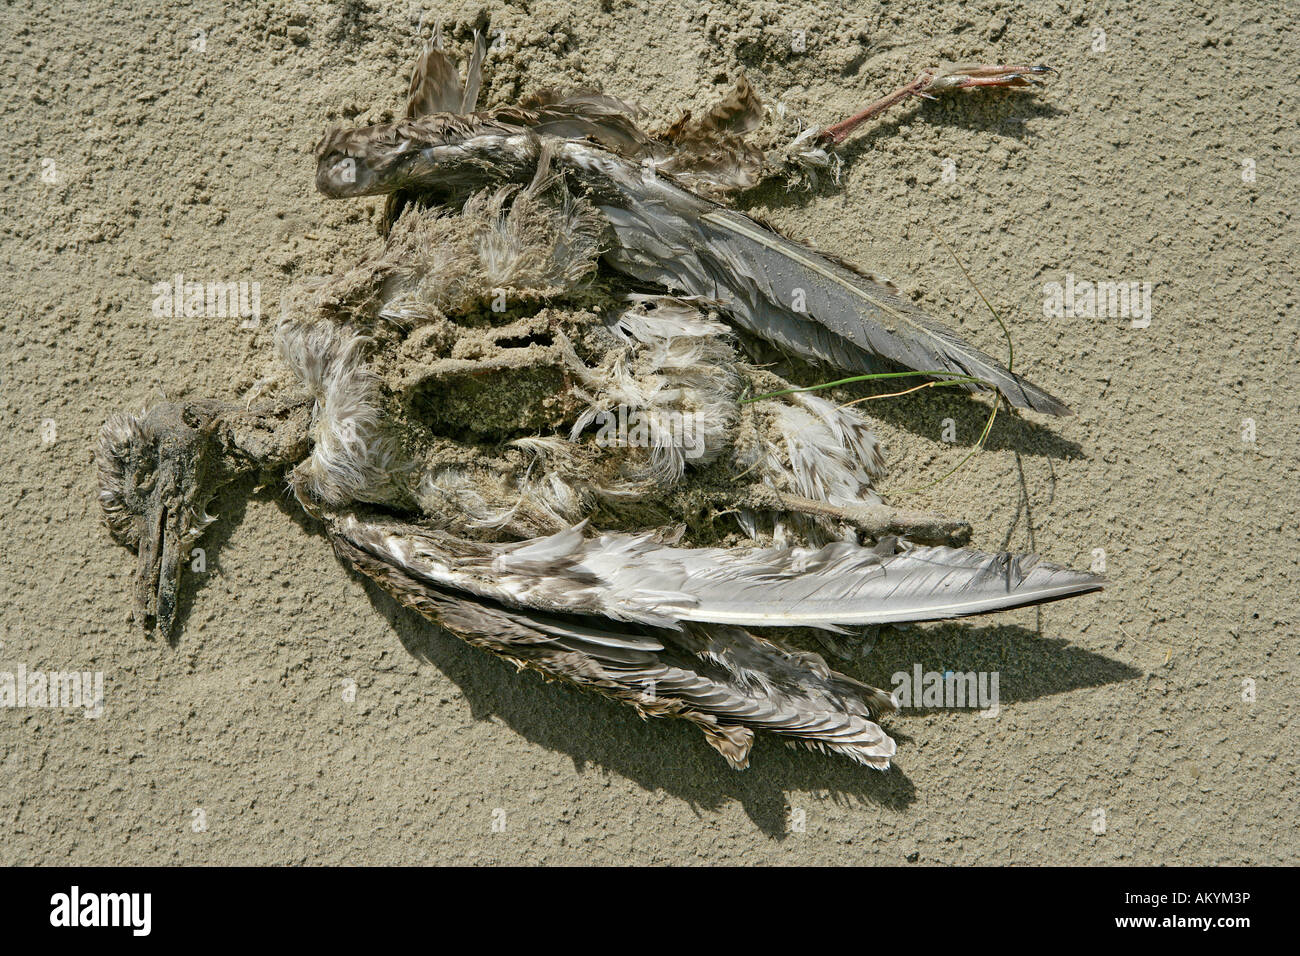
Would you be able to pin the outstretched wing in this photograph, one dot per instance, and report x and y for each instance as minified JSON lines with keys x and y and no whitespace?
{"x":723,"y":679}
{"x":784,"y":291}
{"x":634,"y":578}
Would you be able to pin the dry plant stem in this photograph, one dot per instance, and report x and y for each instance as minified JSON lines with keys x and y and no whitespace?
{"x":878,"y":521}
{"x":874,"y":398}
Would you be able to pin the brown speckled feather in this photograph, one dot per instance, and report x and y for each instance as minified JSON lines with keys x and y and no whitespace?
{"x":710,"y":153}
{"x":436,"y":86}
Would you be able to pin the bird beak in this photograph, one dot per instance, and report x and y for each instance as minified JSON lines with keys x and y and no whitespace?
{"x":157,"y":471}
{"x":158,"y":573}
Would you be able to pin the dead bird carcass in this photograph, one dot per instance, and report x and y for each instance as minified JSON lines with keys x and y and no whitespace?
{"x":563,"y":468}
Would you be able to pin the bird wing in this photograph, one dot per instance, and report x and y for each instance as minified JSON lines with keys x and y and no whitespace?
{"x":854,"y":307}
{"x":584,"y":116}
{"x":783,"y":291}
{"x":724,"y":680}
{"x":635,"y":578}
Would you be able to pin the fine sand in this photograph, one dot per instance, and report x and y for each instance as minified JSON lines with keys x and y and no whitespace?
{"x":1151,"y":723}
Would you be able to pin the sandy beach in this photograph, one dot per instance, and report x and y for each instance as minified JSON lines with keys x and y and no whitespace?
{"x":302,"y":716}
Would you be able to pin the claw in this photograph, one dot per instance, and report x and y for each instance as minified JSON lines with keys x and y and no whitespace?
{"x":969,"y":77}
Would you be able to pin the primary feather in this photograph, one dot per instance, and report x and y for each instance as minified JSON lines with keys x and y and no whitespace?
{"x":781,"y":290}
{"x":436,"y":86}
{"x":635,"y":578}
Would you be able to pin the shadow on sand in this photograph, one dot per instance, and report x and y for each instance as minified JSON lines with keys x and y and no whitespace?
{"x":669,"y":755}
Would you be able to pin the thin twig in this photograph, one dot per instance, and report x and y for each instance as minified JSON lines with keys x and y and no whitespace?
{"x":954,"y":377}
{"x":906,"y":391}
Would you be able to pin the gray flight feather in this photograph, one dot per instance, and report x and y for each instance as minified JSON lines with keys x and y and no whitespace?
{"x":634,"y":578}
{"x":783,"y":291}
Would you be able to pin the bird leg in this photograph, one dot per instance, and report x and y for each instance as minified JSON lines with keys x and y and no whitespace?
{"x":930,"y":83}
{"x":159,"y":470}
{"x":875,"y":520}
